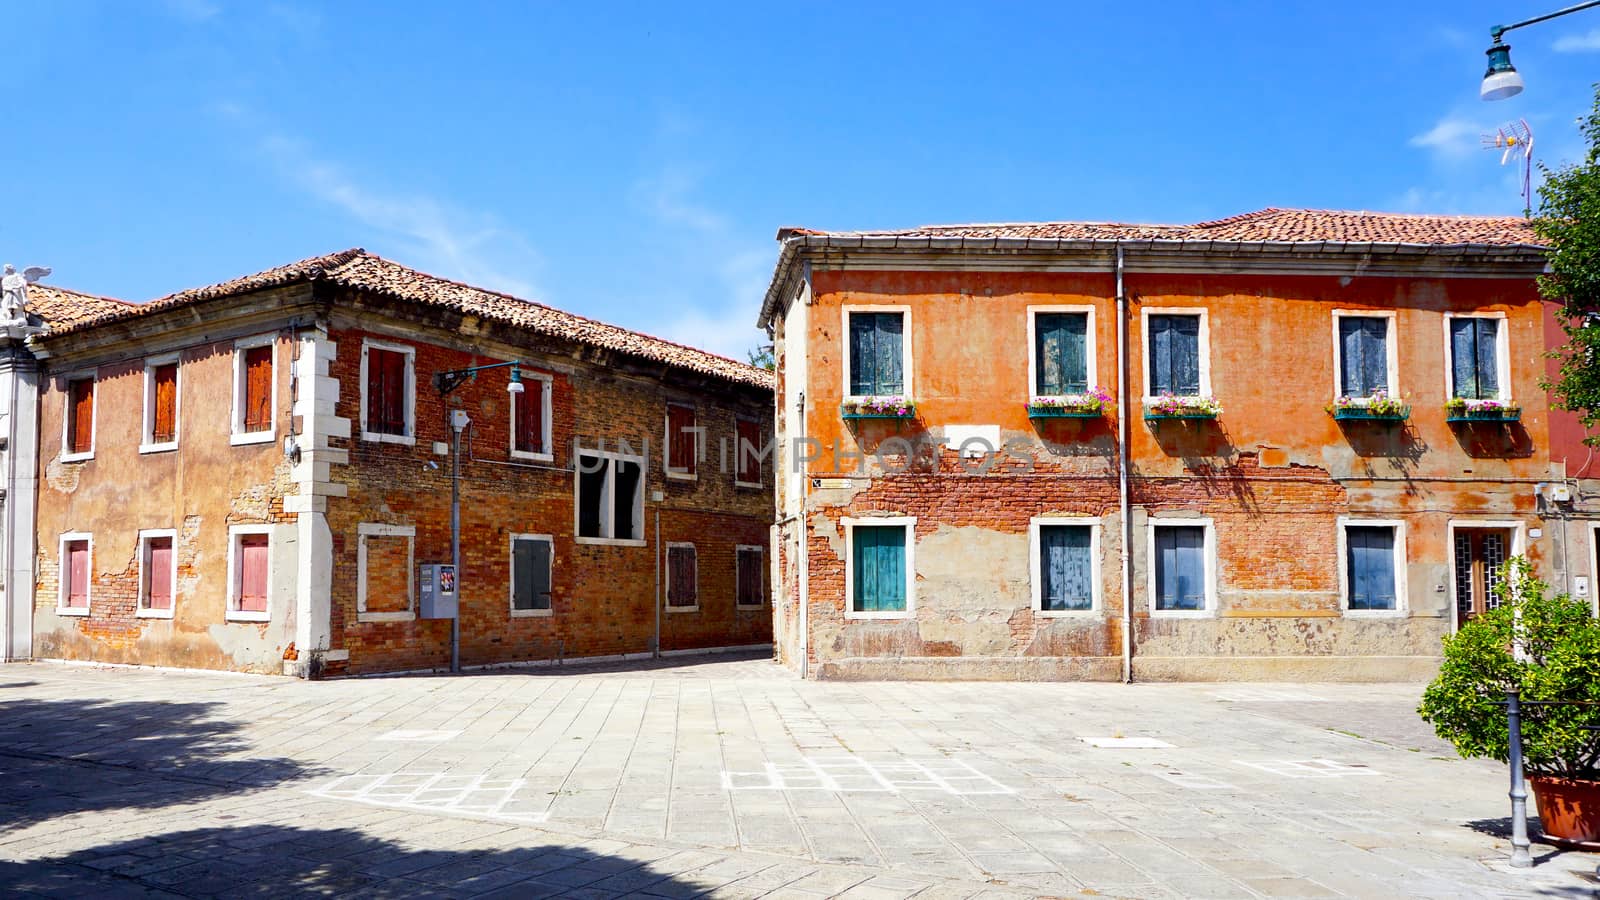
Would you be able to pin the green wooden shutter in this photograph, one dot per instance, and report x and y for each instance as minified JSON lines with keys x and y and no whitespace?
{"x":1060,"y":353}
{"x":880,"y":568}
{"x":522,"y":567}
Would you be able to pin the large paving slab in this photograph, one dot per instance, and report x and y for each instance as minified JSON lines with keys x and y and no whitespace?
{"x":732,"y":778}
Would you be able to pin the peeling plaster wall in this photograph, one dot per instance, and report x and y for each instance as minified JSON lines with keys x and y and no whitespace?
{"x":200,"y":489}
{"x":1274,"y":475}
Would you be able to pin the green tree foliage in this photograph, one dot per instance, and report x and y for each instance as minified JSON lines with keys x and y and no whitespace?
{"x":1559,"y":660}
{"x":761,"y":357}
{"x":1569,"y":222}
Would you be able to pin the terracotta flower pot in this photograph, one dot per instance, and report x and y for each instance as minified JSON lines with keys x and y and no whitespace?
{"x":1569,"y":809}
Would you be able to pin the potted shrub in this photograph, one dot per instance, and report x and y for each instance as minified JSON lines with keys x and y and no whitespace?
{"x":1460,"y":409}
{"x":1090,"y":405}
{"x":1548,"y":649}
{"x":1168,"y":406}
{"x":879,"y":408}
{"x":1377,"y":407}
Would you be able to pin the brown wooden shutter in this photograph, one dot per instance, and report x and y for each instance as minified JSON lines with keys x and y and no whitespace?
{"x":681,"y":587}
{"x":158,"y":577}
{"x":529,"y":426}
{"x":750,"y":580}
{"x":681,"y":455}
{"x":258,"y":389}
{"x":77,"y":574}
{"x":747,"y":461}
{"x":386,"y":391}
{"x":80,"y":427}
{"x":253,"y":549}
{"x":165,"y":427}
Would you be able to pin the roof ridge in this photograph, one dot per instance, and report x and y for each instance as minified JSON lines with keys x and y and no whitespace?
{"x":77,"y":293}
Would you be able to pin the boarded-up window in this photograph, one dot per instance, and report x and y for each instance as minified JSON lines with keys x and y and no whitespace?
{"x":251,"y":569}
{"x":877,"y":345}
{"x":527,"y":419}
{"x":257,"y":391}
{"x":530,"y":574}
{"x":682,"y":581}
{"x":75,"y":569}
{"x":751,"y":451}
{"x":1369,"y":566}
{"x":750,"y":581}
{"x":682,"y":442}
{"x":1175,"y":355}
{"x":1474,"y":358}
{"x":879,"y":568}
{"x":1066,"y":567}
{"x":164,"y":403}
{"x":1180,"y":567}
{"x":80,"y":416}
{"x":388,"y":575}
{"x":158,"y":573}
{"x":386,"y":391}
{"x":1363,"y":355}
{"x":1061,"y":361}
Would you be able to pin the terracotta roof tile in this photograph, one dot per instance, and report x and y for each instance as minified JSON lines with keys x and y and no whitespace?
{"x":1276,"y":225}
{"x":61,"y":308}
{"x":360,"y":270}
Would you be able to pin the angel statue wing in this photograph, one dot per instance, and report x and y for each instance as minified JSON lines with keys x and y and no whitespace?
{"x":34,"y":273}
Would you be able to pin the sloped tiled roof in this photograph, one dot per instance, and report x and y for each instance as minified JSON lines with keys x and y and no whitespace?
{"x":1275,"y":225}
{"x":360,"y":270}
{"x":61,"y":308}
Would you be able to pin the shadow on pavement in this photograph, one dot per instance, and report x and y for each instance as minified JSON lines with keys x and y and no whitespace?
{"x":62,"y":757}
{"x":278,"y":861}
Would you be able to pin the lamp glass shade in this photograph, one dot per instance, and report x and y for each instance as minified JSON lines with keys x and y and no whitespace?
{"x":1502,"y":80}
{"x":515,"y":387}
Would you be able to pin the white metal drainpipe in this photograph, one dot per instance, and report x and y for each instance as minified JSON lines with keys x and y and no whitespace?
{"x":800,"y":546}
{"x":1123,"y":415}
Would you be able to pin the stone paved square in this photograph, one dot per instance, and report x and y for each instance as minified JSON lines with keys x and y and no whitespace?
{"x":731,"y":778}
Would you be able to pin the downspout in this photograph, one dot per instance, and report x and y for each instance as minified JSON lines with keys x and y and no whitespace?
{"x":1124,"y":505}
{"x":800,"y":545}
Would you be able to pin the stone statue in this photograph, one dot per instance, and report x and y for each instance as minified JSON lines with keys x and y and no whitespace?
{"x":14,"y":284}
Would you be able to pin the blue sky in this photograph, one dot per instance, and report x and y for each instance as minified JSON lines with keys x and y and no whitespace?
{"x":632,"y":162}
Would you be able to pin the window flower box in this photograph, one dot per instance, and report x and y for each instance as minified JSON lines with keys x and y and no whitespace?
{"x":1169,"y":407}
{"x":1092,"y":405}
{"x":1378,"y":407}
{"x":895,"y":408}
{"x":1459,"y":409}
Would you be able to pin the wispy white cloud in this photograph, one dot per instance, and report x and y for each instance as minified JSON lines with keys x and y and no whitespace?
{"x":1587,"y":42}
{"x":1452,"y":137}
{"x":431,"y":235}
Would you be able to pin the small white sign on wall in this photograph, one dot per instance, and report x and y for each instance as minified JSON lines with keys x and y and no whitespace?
{"x":1580,"y":586}
{"x":973,"y":441}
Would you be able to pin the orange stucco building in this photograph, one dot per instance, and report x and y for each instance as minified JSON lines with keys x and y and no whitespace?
{"x":1289,"y":444}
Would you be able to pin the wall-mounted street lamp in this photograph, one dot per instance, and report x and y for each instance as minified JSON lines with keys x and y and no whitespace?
{"x":445,"y":383}
{"x":1502,"y":80}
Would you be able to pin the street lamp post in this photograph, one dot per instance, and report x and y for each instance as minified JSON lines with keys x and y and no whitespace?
{"x":445,"y":383}
{"x":1502,"y":80}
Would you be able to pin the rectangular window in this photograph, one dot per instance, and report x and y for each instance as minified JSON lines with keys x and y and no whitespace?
{"x":75,"y":569}
{"x":1475,"y":358}
{"x":683,"y":578}
{"x":1174,"y":348}
{"x":610,"y":498}
{"x":749,"y":453}
{"x":531,"y":561}
{"x":1370,"y":567}
{"x":1180,"y":567}
{"x":1066,"y":568}
{"x":683,"y":442}
{"x":157,"y":573}
{"x":877,"y":354}
{"x":385,"y":589}
{"x":161,"y":404}
{"x":749,"y":575}
{"x":1363,"y":355}
{"x":530,"y":419}
{"x":878,"y":568}
{"x":257,"y":389}
{"x":80,"y":417}
{"x":388,"y":391}
{"x":1060,"y":353}
{"x":249,"y":575}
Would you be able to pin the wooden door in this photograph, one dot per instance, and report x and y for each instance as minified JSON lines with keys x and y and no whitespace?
{"x":1480,"y":556}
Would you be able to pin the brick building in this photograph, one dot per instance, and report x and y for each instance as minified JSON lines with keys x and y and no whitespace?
{"x":1288,"y":444}
{"x":247,"y":476}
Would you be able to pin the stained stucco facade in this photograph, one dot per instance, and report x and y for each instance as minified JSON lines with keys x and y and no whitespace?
{"x":1274,"y":481}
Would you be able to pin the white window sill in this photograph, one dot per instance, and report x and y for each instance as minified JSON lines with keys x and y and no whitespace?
{"x":379,"y":438}
{"x":147,"y":613}
{"x":530,"y":456}
{"x":901,"y":614}
{"x":158,"y":448}
{"x":395,"y":616}
{"x":609,"y":542}
{"x":683,"y":609}
{"x":239,"y":438}
{"x":1375,"y":613}
{"x":532,"y":613}
{"x":1207,"y":613}
{"x":1067,"y":613}
{"x":748,"y":484}
{"x":680,"y":476}
{"x":241,"y":615}
{"x":72,"y":610}
{"x":77,"y":457}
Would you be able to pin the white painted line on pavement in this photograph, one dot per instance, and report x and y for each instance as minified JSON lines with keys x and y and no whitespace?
{"x":1266,"y":695}
{"x":1127,"y":743}
{"x":422,"y":736}
{"x":849,"y":774}
{"x":436,"y":792}
{"x":1194,"y":782}
{"x":1309,"y":768}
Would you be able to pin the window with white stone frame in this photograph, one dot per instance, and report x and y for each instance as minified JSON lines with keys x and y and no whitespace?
{"x":608,"y":498}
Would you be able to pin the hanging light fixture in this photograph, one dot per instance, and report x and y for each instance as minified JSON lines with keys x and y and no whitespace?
{"x":515,"y":387}
{"x":1502,"y":80}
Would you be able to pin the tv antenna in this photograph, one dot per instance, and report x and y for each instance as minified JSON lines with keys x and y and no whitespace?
{"x":1514,"y":140}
